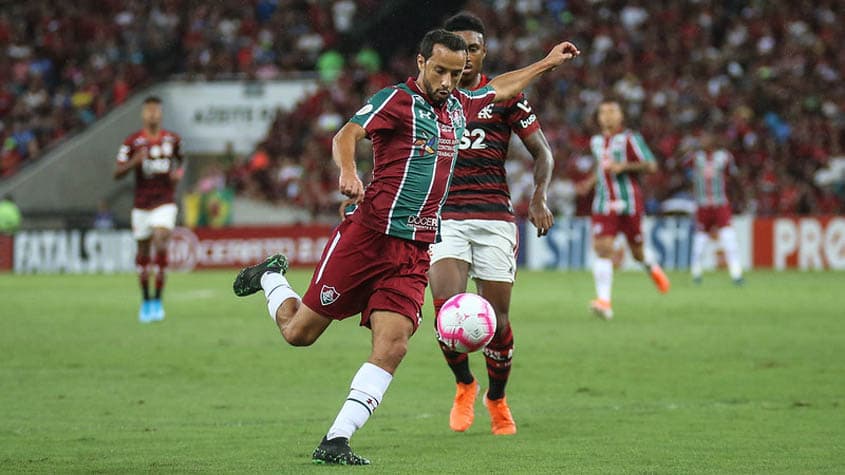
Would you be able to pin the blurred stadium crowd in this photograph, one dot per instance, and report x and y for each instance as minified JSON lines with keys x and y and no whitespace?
{"x":766,"y":76}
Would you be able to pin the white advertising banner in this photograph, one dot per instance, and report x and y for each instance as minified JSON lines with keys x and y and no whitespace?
{"x":210,"y":115}
{"x":569,"y":244}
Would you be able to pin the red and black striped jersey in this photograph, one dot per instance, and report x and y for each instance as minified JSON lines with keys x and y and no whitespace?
{"x":153,"y":185}
{"x":479,"y":188}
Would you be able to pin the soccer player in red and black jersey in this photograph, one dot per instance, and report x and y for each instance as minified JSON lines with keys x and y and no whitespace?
{"x":479,"y":228}
{"x":154,"y":155}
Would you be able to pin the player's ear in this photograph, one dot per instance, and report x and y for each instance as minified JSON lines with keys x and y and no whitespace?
{"x":420,"y":63}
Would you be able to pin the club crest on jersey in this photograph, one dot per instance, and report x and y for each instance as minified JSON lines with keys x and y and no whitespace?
{"x":328,"y":295}
{"x":486,"y":113}
{"x":458,"y":118}
{"x":426,"y":146}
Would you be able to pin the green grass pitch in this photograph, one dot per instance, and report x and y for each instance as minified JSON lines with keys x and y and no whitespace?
{"x":709,"y":379}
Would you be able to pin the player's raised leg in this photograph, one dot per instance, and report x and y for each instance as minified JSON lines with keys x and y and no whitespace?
{"x":448,"y":277}
{"x":498,"y":355}
{"x":652,"y":268}
{"x":298,"y":324}
{"x":603,"y":276}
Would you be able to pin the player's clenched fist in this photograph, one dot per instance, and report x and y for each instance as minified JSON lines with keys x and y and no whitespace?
{"x":350,"y":185}
{"x":562,"y":52}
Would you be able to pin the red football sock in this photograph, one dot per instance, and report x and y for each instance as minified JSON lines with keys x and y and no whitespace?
{"x":499,"y":355}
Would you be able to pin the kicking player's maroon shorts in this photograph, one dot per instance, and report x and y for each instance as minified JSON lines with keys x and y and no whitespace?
{"x":612,"y":224}
{"x":362,"y":271}
{"x":712,"y":218}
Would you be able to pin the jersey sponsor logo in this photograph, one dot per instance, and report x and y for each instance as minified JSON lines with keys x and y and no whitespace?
{"x":524,"y":123}
{"x":473,"y":140}
{"x":523,"y":104}
{"x":328,"y":295}
{"x":486,"y":113}
{"x":426,"y":146}
{"x":123,"y":153}
{"x":156,"y":166}
{"x":365,"y":110}
{"x":428,"y":223}
{"x":424,"y":114}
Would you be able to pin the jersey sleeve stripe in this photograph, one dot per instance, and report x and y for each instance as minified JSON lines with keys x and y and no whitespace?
{"x":478,"y":93}
{"x":378,"y":107}
{"x":640,"y":148}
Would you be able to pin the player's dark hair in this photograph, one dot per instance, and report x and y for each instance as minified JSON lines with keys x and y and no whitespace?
{"x":610,"y":100}
{"x":464,"y":21}
{"x":441,"y":37}
{"x":152,"y":100}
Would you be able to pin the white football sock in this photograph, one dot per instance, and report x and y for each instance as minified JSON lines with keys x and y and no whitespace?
{"x":367,"y":390}
{"x":727,"y":237}
{"x":603,"y":275}
{"x":699,"y":243}
{"x":276,"y":290}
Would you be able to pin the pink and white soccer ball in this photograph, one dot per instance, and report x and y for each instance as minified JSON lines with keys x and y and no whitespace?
{"x":466,"y":323}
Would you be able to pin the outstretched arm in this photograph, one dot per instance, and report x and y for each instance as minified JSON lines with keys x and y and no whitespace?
{"x":538,"y":211}
{"x":510,"y":84}
{"x":343,"y":153}
{"x":632,"y":167}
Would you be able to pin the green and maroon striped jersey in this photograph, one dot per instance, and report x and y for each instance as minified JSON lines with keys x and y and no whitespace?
{"x":708,"y":171}
{"x":479,"y":188}
{"x":415,"y":144}
{"x":618,"y":194}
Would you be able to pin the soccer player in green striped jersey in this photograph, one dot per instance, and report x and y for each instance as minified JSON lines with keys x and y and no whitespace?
{"x":376,"y":260}
{"x":620,"y":154}
{"x":708,"y":167}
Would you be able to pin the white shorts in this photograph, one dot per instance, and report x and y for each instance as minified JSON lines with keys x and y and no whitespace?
{"x":489,"y":246}
{"x":144,"y":220}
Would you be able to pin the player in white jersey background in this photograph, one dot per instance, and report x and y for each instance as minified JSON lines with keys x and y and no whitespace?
{"x":620,"y":155}
{"x":708,"y":167}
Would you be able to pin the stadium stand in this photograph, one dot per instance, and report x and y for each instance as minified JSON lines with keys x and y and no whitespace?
{"x":769,"y":77}
{"x":755,"y":72}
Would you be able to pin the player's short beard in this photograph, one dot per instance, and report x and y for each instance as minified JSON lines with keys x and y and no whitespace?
{"x":432,"y":93}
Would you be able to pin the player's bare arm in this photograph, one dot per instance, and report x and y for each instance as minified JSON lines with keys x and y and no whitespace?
{"x":584,"y":186}
{"x":510,"y":84}
{"x":343,"y":154}
{"x":538,"y":211}
{"x":632,"y":167}
{"x":135,"y":161}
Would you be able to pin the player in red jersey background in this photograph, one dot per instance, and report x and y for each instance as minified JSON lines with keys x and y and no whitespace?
{"x":479,"y":228}
{"x":154,"y":155}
